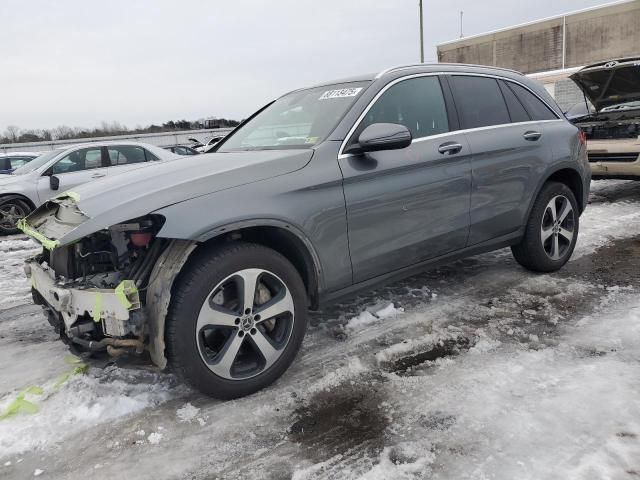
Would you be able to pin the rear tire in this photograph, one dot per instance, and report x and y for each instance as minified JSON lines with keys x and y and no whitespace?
{"x":237,"y":319}
{"x":551,"y":231}
{"x":12,"y":209}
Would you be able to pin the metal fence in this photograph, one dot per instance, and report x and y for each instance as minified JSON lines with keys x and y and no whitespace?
{"x":164,"y":139}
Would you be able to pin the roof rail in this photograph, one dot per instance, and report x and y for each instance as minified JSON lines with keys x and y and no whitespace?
{"x":402,"y":67}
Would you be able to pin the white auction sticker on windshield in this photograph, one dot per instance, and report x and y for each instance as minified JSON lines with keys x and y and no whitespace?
{"x":340,"y":93}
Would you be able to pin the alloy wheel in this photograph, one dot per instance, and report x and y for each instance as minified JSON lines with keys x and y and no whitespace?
{"x":557,"y":229}
{"x":245,"y":324}
{"x":10,"y":213}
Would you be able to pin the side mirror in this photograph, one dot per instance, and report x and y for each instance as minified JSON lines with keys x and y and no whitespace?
{"x":382,"y":136}
{"x":54,"y":182}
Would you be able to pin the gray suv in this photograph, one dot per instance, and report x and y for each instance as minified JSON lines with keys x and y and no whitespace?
{"x":211,"y":267}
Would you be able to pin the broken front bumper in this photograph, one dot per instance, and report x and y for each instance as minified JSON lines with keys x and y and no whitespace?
{"x":112,"y":307}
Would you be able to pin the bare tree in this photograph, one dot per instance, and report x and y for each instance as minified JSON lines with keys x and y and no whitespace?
{"x":12,"y":133}
{"x":62,"y":132}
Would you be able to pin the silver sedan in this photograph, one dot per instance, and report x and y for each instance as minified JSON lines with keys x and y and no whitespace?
{"x":58,"y":170}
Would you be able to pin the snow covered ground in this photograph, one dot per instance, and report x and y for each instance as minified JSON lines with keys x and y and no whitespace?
{"x":476,"y":370}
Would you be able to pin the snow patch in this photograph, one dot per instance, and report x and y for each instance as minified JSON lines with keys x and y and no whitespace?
{"x":352,"y":370}
{"x":155,"y":438}
{"x":84,"y":401}
{"x":372,"y":315}
{"x":418,"y":345}
{"x":484,"y":345}
{"x":187,"y":413}
{"x":402,"y":462}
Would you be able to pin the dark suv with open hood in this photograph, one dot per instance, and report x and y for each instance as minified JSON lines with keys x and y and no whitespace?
{"x":212,"y":265}
{"x":613,"y":126}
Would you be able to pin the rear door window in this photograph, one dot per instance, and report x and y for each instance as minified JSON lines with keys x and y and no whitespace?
{"x":535,"y":107}
{"x":416,"y":103}
{"x":126,"y":154}
{"x":83,"y":159}
{"x":479,"y":101}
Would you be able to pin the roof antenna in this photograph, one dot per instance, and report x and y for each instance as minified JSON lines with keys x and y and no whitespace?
{"x":421,"y":32}
{"x":461,"y":14}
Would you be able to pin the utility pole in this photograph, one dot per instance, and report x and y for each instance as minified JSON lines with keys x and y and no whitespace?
{"x":461,"y":13}
{"x":421,"y":34}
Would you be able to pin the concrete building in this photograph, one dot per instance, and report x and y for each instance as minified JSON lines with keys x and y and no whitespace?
{"x":553,"y":48}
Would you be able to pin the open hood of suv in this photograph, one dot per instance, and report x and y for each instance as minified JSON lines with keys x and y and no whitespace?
{"x":610,"y":83}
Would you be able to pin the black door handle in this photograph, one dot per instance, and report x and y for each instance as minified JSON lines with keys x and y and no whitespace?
{"x":449,"y":148}
{"x":531,"y":135}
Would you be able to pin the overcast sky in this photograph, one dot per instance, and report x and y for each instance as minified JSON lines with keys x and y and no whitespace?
{"x":78,"y":62}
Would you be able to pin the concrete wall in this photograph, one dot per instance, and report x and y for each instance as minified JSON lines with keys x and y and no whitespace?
{"x":571,"y":40}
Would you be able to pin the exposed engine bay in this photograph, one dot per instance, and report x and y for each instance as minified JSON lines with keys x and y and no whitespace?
{"x":94,"y":290}
{"x":609,"y":126}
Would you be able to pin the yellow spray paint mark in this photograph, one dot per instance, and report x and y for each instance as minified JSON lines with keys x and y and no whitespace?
{"x":97,"y":309}
{"x":79,"y":368}
{"x":21,"y":405}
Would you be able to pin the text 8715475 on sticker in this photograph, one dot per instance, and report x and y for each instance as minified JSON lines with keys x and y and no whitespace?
{"x":340,"y":93}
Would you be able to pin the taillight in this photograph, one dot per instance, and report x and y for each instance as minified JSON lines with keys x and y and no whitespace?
{"x":583,"y":137}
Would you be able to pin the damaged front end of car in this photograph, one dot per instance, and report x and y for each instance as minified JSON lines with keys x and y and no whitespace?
{"x":108,"y":290}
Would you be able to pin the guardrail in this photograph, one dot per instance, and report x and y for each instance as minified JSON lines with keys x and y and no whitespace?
{"x":162,"y":139}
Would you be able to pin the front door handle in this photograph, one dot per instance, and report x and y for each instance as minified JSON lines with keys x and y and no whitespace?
{"x":449,"y":148}
{"x":531,"y":135}
{"x":98,"y":175}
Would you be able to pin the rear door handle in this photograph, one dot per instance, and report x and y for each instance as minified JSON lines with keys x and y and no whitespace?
{"x":449,"y":148}
{"x":532,"y":136}
{"x":98,"y":175}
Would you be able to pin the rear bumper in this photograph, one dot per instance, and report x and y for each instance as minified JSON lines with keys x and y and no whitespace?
{"x":112,"y":307}
{"x":615,"y":169}
{"x":616,"y":158}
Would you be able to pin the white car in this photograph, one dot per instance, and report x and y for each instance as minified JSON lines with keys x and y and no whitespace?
{"x":59,"y":170}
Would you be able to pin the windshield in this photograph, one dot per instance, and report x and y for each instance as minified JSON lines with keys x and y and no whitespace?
{"x":300,"y":119}
{"x":36,"y":162}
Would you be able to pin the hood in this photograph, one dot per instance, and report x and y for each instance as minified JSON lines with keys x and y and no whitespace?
{"x":135,"y":193}
{"x":610,"y":83}
{"x":7,"y":179}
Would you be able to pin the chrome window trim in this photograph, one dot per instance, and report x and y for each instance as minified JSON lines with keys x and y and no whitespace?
{"x":374,"y":100}
{"x":341,"y":153}
{"x":506,"y":79}
{"x":463,"y":131}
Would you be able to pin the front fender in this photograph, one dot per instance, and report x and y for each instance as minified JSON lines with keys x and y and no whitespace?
{"x":161,"y":281}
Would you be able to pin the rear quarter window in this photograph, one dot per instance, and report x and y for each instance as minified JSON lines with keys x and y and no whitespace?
{"x":535,"y":107}
{"x":516,"y":109}
{"x":126,"y":154}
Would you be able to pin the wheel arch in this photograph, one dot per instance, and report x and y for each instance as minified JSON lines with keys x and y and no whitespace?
{"x":284,"y":238}
{"x":572,"y":179}
{"x":17,"y":196}
{"x":567,"y":175}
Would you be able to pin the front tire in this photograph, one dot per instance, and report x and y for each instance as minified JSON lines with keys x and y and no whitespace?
{"x":237,"y":319}
{"x":551,"y":231}
{"x":12,"y":209}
